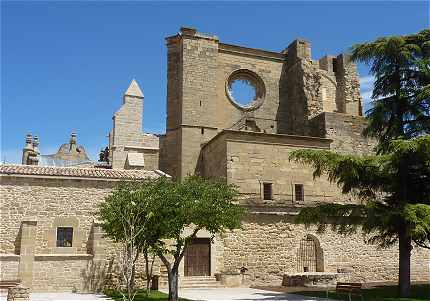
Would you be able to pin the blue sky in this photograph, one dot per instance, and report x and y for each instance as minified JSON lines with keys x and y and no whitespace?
{"x":65,"y":65}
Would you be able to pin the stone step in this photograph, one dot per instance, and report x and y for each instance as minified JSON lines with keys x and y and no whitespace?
{"x":201,"y":285}
{"x":198,"y":278}
{"x":199,"y":282}
{"x":195,"y":282}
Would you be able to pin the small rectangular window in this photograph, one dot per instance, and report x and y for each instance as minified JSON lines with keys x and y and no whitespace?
{"x":299,"y":193}
{"x":203,"y":131}
{"x":267,"y":191}
{"x":64,"y":236}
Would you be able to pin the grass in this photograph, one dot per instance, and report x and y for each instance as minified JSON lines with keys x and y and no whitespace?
{"x":420,"y":292}
{"x":141,"y":296}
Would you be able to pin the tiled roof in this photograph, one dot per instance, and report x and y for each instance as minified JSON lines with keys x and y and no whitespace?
{"x":76,"y":172}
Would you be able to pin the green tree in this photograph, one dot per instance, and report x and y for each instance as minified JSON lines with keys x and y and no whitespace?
{"x":193,"y":204}
{"x":401,"y":103}
{"x":395,"y":197}
{"x":401,"y":94}
{"x":127,"y":219}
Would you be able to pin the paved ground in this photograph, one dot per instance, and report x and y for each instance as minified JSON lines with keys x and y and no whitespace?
{"x":243,"y":294}
{"x":61,"y":297}
{"x":208,"y":294}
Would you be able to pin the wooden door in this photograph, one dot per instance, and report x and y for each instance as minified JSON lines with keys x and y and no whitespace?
{"x":197,"y":258}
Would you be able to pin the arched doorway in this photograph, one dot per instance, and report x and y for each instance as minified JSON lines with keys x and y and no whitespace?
{"x":310,"y":256}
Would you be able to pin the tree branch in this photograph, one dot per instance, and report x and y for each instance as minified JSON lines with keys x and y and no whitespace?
{"x":164,"y":260}
{"x":182,"y":252}
{"x":421,"y":244}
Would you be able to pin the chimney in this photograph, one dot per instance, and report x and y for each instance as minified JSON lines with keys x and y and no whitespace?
{"x":73,"y":142}
{"x":30,"y":152}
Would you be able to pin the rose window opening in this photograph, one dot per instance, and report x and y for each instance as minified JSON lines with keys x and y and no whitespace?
{"x":245,"y":89}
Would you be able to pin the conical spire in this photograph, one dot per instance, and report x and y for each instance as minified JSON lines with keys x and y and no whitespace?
{"x":134,"y":90}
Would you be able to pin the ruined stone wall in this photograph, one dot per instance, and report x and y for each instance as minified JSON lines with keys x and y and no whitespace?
{"x":348,"y":85}
{"x":313,"y":87}
{"x":268,"y":246}
{"x":291,"y":89}
{"x":345,"y":131}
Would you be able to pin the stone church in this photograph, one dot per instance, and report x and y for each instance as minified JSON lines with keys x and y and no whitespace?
{"x":51,"y":240}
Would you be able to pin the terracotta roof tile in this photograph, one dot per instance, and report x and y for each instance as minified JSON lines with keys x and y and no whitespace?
{"x":75,"y":172}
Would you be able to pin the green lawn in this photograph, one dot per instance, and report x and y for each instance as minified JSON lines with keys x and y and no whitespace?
{"x":386,"y":293}
{"x":141,"y":296}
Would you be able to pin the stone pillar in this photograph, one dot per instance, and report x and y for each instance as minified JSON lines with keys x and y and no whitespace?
{"x":98,"y":242}
{"x":18,"y":293}
{"x":299,"y":50}
{"x":98,"y":268}
{"x":26,"y":260}
{"x":348,"y":86}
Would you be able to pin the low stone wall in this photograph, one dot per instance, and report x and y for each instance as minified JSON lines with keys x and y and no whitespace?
{"x":234,"y":280}
{"x":18,"y":293}
{"x":9,"y":266}
{"x":63,"y":272}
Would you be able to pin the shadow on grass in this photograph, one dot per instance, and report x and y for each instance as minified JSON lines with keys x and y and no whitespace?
{"x":141,"y":296}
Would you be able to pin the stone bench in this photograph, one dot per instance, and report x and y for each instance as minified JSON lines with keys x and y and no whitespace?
{"x":234,"y":279}
{"x":310,"y":279}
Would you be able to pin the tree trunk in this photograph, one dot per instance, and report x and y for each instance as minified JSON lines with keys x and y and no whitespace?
{"x":173,"y":284}
{"x":405,"y":247}
{"x":148,"y":272}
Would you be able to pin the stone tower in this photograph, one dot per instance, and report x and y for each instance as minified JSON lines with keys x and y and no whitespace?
{"x":191,"y":91}
{"x":129,"y":147}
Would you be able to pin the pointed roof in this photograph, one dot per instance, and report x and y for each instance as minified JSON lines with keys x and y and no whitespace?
{"x":133,"y":89}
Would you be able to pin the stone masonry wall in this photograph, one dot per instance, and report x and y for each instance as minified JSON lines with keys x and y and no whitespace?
{"x":9,"y":266}
{"x":294,"y":89}
{"x":253,"y":159}
{"x":47,"y":200}
{"x":213,"y":159}
{"x":268,"y":246}
{"x":62,"y":273}
{"x":192,"y":60}
{"x":345,"y":131}
{"x":51,"y":203}
{"x":268,"y":66}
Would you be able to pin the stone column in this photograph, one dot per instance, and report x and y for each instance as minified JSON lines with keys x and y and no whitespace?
{"x":26,"y":260}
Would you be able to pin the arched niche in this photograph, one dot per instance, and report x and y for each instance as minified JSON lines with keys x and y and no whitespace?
{"x":310,"y":256}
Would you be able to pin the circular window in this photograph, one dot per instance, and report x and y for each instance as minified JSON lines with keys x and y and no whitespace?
{"x":245,"y":89}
